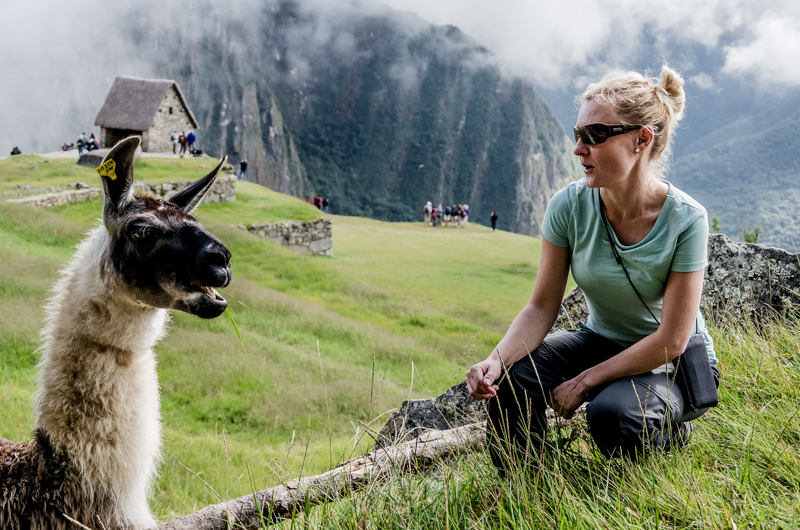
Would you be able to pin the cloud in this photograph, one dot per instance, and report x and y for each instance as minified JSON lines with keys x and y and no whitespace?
{"x":769,"y":56}
{"x":559,"y":43}
{"x":60,"y":58}
{"x":703,"y":81}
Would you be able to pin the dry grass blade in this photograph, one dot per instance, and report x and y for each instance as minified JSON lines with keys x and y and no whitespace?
{"x":201,"y":479}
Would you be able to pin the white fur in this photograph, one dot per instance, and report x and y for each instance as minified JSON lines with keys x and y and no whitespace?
{"x":98,"y":396}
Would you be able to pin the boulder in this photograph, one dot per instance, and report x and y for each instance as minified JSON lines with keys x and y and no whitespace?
{"x":452,"y":409}
{"x":748,"y":281}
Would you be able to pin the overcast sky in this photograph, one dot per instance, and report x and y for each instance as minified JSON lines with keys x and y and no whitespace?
{"x":57,"y":55}
{"x":558,"y":43}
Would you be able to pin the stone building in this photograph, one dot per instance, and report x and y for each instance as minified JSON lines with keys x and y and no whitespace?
{"x":152,"y":108}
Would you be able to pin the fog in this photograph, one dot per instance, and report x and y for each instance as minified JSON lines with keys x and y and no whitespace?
{"x":59,"y":59}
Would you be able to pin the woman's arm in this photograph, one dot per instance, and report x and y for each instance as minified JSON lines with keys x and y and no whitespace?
{"x":681,"y":302}
{"x":530,"y":326}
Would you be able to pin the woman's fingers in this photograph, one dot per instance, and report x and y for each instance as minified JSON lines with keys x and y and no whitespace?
{"x":479,"y":382}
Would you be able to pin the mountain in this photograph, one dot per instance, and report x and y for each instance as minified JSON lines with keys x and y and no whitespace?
{"x":375,"y":109}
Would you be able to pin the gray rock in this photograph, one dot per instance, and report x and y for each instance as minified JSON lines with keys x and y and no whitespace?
{"x":92,"y":159}
{"x":452,"y":409}
{"x":750,"y":281}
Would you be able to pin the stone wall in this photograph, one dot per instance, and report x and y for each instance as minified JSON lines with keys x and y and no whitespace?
{"x":304,"y":237}
{"x":223,"y":190}
{"x":48,"y":200}
{"x":157,"y":138}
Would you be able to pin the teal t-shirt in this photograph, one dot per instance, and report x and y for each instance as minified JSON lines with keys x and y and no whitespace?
{"x":677,"y":242}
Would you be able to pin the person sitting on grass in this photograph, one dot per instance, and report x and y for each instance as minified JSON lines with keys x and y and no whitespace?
{"x":617,"y":361}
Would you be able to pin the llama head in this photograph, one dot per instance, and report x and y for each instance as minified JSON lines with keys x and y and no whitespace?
{"x":165,"y":258}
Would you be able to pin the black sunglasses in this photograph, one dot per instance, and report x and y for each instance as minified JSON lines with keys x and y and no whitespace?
{"x":597,"y":133}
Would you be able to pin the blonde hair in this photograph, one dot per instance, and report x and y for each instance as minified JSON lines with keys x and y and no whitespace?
{"x":640,"y":100}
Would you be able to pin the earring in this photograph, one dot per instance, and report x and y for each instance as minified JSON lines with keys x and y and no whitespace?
{"x":636,"y":150}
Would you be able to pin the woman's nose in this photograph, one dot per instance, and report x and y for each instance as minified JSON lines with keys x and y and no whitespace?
{"x":580,"y":148}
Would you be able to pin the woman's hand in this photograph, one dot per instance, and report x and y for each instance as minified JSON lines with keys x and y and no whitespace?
{"x":568,"y":396}
{"x":481,"y":378}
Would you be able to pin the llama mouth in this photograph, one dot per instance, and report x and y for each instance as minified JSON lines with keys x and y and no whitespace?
{"x":212,"y":293}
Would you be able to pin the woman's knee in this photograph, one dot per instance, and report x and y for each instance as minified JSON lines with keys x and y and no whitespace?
{"x":623,"y":423}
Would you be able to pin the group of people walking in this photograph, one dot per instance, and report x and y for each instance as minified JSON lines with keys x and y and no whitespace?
{"x":457,"y":215}
{"x":320,"y":202}
{"x":183,"y":142}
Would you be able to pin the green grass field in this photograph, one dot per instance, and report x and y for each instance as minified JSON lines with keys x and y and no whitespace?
{"x":398,"y":296}
{"x":402,"y":295}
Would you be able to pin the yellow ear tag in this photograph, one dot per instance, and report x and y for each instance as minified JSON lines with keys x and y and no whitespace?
{"x":108,"y":170}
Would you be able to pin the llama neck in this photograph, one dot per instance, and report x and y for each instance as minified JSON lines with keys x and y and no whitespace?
{"x":97,"y":394}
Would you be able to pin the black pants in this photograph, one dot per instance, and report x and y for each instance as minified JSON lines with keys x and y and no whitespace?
{"x":625,"y":416}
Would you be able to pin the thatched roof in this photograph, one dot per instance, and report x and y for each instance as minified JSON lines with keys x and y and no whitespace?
{"x":133,"y":103}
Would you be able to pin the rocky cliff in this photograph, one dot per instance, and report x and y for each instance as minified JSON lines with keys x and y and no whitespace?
{"x":379,"y":111}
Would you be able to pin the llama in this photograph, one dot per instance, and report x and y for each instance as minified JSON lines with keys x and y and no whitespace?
{"x":96,"y":445}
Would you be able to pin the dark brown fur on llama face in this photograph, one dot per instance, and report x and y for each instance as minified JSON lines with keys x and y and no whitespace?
{"x":166,"y":258}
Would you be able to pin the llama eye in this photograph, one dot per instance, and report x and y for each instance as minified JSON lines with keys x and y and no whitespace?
{"x":145,"y":234}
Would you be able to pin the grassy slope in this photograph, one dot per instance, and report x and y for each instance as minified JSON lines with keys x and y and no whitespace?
{"x":741,"y":469}
{"x":403,"y":293}
{"x":400,"y":292}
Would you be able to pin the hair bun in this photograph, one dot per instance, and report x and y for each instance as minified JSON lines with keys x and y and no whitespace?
{"x":671,"y":82}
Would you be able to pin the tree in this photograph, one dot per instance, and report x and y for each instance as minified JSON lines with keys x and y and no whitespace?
{"x":752,"y":237}
{"x":715,"y":226}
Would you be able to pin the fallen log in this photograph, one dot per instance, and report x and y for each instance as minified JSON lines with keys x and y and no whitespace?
{"x":285,"y":500}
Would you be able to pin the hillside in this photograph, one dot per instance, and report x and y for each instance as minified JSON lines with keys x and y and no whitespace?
{"x":398,"y":302}
{"x":394,"y":294}
{"x":377,"y":110}
{"x":747,"y":179}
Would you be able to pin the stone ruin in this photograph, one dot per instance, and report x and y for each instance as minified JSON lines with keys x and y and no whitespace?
{"x":743,"y":281}
{"x":303,"y":237}
{"x":223,"y":190}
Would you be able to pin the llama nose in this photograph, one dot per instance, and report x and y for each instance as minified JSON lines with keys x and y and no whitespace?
{"x":213,"y":262}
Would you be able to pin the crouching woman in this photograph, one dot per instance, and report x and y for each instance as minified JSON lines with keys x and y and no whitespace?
{"x":622,"y":214}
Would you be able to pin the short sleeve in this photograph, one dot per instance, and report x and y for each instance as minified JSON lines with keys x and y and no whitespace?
{"x":691,"y":251}
{"x":555,"y":226}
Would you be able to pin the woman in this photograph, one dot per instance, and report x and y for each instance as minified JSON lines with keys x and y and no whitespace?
{"x":619,"y":361}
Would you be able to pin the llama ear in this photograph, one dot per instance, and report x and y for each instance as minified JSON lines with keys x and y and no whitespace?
{"x":189,"y":197}
{"x":116,"y":172}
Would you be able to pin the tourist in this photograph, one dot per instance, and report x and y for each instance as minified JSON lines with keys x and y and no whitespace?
{"x":446,"y":216}
{"x":439,"y":215}
{"x":182,"y":143}
{"x":318,"y":202}
{"x":92,"y":143}
{"x":190,"y":138}
{"x":466,"y":214}
{"x":243,"y":169}
{"x":15,"y":151}
{"x":617,"y":361}
{"x":427,"y":210}
{"x":493,"y":219}
{"x":81,"y":143}
{"x":174,"y":140}
{"x":325,"y":203}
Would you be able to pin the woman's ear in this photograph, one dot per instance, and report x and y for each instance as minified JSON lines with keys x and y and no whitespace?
{"x":646,"y":136}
